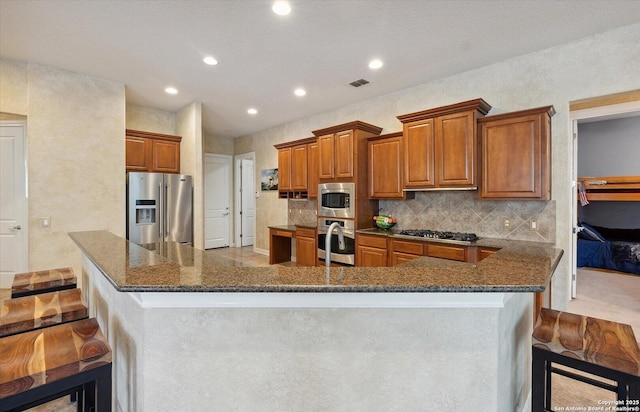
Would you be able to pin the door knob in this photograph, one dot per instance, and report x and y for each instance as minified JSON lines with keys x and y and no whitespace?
{"x":16,"y":227}
{"x":225,"y":214}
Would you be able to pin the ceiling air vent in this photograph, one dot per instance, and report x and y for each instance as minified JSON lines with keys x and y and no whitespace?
{"x":359,"y":82}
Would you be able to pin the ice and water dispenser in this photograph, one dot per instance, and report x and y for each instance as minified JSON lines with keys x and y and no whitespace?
{"x":145,"y":212}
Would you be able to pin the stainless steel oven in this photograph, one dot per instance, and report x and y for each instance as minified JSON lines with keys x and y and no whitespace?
{"x":337,"y":200}
{"x":346,"y":256}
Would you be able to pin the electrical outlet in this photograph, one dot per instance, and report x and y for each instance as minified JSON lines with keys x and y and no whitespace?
{"x":533,"y":225}
{"x":507,"y":223}
{"x":46,"y":222}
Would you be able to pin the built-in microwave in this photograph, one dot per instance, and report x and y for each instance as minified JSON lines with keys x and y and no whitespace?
{"x":337,"y":200}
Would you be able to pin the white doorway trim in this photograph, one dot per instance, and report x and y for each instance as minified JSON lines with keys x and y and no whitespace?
{"x":14,"y":217}
{"x":599,"y":113}
{"x":238,"y":196}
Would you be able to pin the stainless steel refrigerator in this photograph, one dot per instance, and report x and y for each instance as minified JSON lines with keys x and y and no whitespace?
{"x":159,"y":208}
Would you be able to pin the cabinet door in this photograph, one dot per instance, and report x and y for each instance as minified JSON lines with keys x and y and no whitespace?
{"x":344,"y":154}
{"x":515,"y":158}
{"x":385,"y":168}
{"x":368,"y":256}
{"x":312,"y":170}
{"x":166,"y":156}
{"x":419,"y":168}
{"x":299,"y":167}
{"x":306,"y":251}
{"x":138,"y":154}
{"x":455,"y":150}
{"x":326,"y":151}
{"x":284,"y":169}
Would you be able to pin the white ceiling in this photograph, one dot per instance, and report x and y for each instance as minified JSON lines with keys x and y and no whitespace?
{"x":321,"y":46}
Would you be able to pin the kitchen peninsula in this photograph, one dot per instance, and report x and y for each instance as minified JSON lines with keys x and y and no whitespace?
{"x":191,"y":331}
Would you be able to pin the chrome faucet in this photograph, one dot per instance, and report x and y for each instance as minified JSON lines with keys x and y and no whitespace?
{"x":327,"y":242}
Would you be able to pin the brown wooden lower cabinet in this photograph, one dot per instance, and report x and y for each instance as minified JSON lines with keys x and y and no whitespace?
{"x":371,"y":251}
{"x":377,"y":250}
{"x":450,"y":252}
{"x":306,"y":247}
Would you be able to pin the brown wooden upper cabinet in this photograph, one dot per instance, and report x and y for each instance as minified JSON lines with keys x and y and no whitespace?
{"x":296,"y":160}
{"x":284,"y":169}
{"x":440,"y":146}
{"x":312,"y":170}
{"x":342,"y":150}
{"x":385,"y":167}
{"x":152,"y":152}
{"x":516,"y":155}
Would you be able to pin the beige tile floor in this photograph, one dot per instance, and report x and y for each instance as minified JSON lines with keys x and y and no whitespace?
{"x":611,"y":296}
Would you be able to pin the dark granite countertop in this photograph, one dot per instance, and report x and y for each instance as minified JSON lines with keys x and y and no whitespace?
{"x":171,"y":267}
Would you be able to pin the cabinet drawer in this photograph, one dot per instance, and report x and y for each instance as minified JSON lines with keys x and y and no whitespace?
{"x":446,"y":252}
{"x":305,"y":232}
{"x":281,"y":233}
{"x":414,"y":248}
{"x":373,"y":241}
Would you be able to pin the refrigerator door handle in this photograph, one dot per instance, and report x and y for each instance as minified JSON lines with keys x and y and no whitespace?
{"x":160,"y":211}
{"x":166,"y":212}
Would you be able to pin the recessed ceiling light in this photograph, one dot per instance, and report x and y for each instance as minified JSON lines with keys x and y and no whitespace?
{"x":252,"y":111}
{"x":171,"y":90}
{"x":375,"y":64}
{"x":211,"y":61}
{"x":281,"y":8}
{"x":300,"y":92}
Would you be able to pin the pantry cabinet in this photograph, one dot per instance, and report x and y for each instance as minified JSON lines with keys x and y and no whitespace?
{"x":294,"y":172}
{"x":516,"y":155}
{"x":312,"y":170}
{"x":152,"y":152}
{"x":440,"y":146}
{"x":342,"y":151}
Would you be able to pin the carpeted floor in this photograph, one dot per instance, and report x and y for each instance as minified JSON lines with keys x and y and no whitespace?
{"x":607,"y":295}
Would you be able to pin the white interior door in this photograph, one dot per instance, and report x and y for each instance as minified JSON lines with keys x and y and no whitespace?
{"x":14,"y":240}
{"x":248,"y":202}
{"x":217,"y":201}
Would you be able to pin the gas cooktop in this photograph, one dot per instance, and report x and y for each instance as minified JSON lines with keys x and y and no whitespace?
{"x":434,"y":234}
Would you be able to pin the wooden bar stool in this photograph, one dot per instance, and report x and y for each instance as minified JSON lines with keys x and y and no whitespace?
{"x":31,"y":283}
{"x":600,"y":347}
{"x":46,"y":364}
{"x":42,"y":310}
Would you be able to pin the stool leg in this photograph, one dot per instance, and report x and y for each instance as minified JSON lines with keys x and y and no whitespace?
{"x":89,"y":390}
{"x":622,"y":392}
{"x":538,"y":374}
{"x":79,"y":399}
{"x":634,"y":390}
{"x":547,"y":396}
{"x":103,"y":383}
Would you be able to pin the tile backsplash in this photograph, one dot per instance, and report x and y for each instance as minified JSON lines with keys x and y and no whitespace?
{"x":457,"y":211}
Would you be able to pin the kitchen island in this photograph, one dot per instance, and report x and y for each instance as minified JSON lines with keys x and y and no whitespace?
{"x":192,"y":331}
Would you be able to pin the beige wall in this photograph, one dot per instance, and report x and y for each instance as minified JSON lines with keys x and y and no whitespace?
{"x":13,"y":87}
{"x":75,"y":138}
{"x":150,"y":120}
{"x":218,"y":145}
{"x":593,"y":66}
